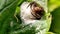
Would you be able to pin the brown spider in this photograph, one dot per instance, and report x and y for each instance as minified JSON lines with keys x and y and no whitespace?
{"x":37,"y":10}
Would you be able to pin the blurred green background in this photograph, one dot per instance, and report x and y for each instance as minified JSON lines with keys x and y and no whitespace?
{"x":54,"y":8}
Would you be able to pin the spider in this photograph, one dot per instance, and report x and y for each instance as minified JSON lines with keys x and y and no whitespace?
{"x":37,"y":10}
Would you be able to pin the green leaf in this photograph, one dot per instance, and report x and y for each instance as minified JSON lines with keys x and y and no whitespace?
{"x":55,"y":26}
{"x":54,"y":8}
{"x":50,"y":33}
{"x":7,"y":10}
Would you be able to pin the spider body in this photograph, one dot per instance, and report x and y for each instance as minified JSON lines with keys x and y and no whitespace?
{"x":37,"y":10}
